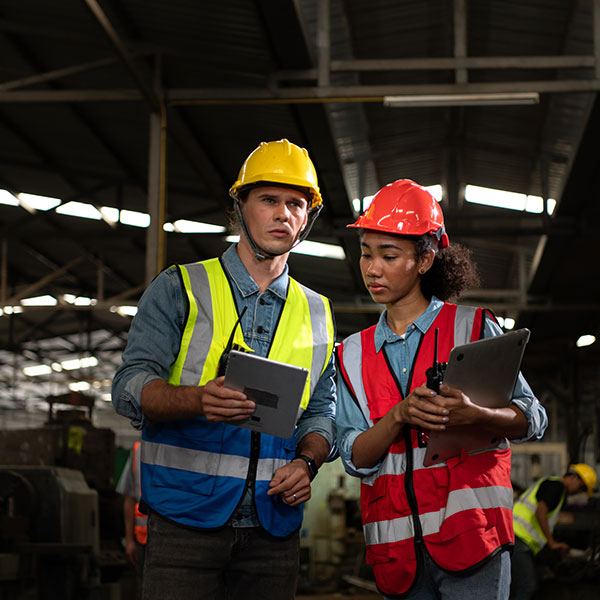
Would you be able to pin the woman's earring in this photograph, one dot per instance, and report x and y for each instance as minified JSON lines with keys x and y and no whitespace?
{"x":422,"y":271}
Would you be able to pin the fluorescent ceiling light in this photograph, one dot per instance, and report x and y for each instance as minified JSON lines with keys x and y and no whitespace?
{"x":79,"y":386}
{"x":366,"y":201}
{"x":504,"y":199}
{"x":79,"y":209}
{"x":11,"y":310}
{"x":426,"y":100}
{"x":110,"y":213}
{"x":37,"y":370}
{"x":585,"y":340}
{"x":79,"y":363}
{"x":46,"y":300}
{"x":124,"y":311}
{"x":185,"y":226}
{"x":37,"y":202}
{"x":436,"y":191}
{"x":79,"y":300}
{"x":506,"y":322}
{"x":134,"y":218}
{"x":7,"y":198}
{"x":320,"y":249}
{"x":309,"y":248}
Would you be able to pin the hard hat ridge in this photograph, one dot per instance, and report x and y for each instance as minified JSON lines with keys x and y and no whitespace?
{"x":404,"y":207}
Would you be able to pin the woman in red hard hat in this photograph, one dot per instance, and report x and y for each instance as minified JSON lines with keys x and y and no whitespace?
{"x":441,"y":531}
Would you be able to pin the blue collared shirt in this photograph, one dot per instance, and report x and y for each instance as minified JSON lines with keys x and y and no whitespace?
{"x":155,"y":337}
{"x":401,"y":351}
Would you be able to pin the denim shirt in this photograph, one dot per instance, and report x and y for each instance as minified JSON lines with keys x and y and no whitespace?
{"x":401,"y":350}
{"x":155,"y":337}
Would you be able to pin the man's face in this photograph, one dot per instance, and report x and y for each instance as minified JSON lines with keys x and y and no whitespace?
{"x":275,"y":217}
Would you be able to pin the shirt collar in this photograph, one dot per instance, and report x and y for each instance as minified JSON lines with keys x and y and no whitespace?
{"x":383,"y":332}
{"x":244,"y":282}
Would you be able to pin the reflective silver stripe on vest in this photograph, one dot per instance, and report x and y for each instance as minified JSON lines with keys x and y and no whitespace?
{"x":532,"y":531}
{"x":395,"y":463}
{"x":318,"y":318}
{"x":397,"y":530}
{"x":463,"y":324}
{"x":207,"y":463}
{"x":352,"y":359}
{"x":141,"y":521}
{"x":203,"y":328}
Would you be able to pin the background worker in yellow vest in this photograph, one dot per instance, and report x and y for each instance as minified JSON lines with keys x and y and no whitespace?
{"x":535,"y":515}
{"x":225,"y":503}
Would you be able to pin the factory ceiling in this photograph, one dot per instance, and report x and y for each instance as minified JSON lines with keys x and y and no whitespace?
{"x":129,"y":108}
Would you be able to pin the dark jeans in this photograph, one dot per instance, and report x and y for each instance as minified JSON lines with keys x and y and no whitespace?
{"x":524,"y":575}
{"x":229,"y":563}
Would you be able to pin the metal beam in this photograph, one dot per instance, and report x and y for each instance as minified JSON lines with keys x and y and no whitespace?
{"x":300,"y":95}
{"x":56,"y":74}
{"x":45,"y":280}
{"x":460,"y":37}
{"x":148,"y":93}
{"x":446,"y":64}
{"x":323,"y":42}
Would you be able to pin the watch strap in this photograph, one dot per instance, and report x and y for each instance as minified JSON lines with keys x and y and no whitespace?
{"x":312,"y":465}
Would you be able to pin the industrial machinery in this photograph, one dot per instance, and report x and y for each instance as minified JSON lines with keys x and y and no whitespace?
{"x":60,"y":518}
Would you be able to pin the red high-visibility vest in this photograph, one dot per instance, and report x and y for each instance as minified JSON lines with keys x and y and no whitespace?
{"x":140,"y":528}
{"x":461,"y":510}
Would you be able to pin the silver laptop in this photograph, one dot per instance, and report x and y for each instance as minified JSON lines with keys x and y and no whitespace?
{"x":275,"y":387}
{"x":486,"y":371}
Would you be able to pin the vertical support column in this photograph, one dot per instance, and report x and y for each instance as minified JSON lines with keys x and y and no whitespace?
{"x":155,"y":235}
{"x":4,"y":274}
{"x":323,"y":42}
{"x":460,"y":37}
{"x":100,"y":281}
{"x":596,"y":33}
{"x":522,"y":266}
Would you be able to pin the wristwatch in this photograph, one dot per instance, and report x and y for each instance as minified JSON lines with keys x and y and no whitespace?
{"x":312,"y":465}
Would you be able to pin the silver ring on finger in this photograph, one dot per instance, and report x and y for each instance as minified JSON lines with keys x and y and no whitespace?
{"x":294,"y":497}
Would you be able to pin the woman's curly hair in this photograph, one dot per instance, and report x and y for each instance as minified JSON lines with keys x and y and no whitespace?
{"x":451,"y":273}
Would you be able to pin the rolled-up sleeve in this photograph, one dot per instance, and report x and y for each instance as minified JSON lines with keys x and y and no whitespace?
{"x":319,"y":416}
{"x":152,"y":345}
{"x":523,"y":398}
{"x":350,"y":423}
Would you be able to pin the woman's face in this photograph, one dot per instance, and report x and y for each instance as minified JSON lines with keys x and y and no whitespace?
{"x":390,"y":268}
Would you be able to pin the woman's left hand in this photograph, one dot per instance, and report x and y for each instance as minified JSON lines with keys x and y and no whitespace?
{"x":462,"y":410}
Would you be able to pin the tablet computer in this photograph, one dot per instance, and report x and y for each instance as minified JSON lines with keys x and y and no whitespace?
{"x":275,"y":387}
{"x":486,"y":371}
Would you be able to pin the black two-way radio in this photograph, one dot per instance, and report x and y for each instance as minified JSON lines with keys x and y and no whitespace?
{"x":435,"y":373}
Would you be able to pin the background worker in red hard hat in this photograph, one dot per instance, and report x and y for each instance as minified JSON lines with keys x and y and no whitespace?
{"x":431,"y":532}
{"x":535,"y":515}
{"x":225,"y":503}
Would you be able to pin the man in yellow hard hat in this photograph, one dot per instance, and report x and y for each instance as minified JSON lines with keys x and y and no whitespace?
{"x":225,"y":503}
{"x":534,"y":516}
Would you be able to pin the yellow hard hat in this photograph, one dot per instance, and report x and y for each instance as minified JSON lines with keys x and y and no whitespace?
{"x":587,"y":475}
{"x":279,"y":162}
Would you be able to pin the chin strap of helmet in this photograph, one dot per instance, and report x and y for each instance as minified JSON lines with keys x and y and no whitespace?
{"x":263,"y":254}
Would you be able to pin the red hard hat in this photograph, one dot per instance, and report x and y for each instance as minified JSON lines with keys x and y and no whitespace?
{"x":404,"y":208}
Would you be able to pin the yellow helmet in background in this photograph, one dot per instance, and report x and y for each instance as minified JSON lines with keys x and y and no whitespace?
{"x":281,"y":162}
{"x":586,"y":474}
